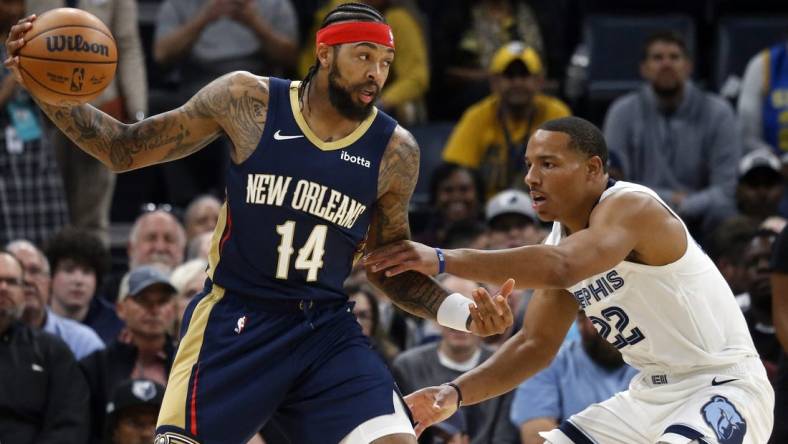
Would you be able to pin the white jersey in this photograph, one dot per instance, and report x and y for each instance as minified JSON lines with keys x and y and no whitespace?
{"x":672,"y":319}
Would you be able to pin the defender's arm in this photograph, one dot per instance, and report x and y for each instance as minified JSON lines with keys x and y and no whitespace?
{"x":619,"y":226}
{"x":549,"y":316}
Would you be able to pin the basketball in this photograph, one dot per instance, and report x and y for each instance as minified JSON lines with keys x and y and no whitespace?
{"x":69,"y":57}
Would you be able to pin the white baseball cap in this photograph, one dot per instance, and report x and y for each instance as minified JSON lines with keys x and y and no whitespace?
{"x":762,"y":157}
{"x":510,"y":202}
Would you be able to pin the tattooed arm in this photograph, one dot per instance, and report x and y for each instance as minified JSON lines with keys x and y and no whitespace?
{"x":414,"y":292}
{"x":235,"y":104}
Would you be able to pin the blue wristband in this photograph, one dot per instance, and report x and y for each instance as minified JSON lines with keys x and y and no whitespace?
{"x":441,"y":261}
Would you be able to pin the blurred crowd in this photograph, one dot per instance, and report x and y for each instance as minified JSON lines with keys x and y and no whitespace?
{"x":96,"y":269}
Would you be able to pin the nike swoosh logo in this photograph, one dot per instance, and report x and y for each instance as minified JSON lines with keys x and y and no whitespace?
{"x":279,"y":136}
{"x":725,"y":381}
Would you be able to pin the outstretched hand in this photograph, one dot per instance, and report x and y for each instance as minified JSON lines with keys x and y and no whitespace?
{"x":15,"y":42}
{"x":431,"y":405}
{"x":491,"y":315}
{"x":399,"y":257}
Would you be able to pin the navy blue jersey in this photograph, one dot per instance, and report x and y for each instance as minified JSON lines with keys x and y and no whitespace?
{"x":298,"y":209}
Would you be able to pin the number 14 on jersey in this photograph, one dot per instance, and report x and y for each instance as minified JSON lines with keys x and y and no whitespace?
{"x":310,"y":256}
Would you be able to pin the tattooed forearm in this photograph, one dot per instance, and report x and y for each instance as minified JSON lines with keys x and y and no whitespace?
{"x":235,"y":103}
{"x":413,"y":292}
{"x":116,"y":144}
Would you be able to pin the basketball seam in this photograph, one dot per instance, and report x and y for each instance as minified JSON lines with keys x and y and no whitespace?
{"x":53,"y":90}
{"x":70,"y":26}
{"x":109,"y":62}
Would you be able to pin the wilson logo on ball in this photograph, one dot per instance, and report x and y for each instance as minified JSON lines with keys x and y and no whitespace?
{"x":59,"y":43}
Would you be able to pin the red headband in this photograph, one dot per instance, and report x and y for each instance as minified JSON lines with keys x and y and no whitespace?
{"x":350,"y":32}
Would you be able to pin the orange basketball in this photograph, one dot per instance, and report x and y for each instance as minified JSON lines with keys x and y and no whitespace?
{"x":69,"y":57}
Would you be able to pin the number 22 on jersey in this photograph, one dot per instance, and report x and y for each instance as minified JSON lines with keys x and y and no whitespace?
{"x":310,"y":256}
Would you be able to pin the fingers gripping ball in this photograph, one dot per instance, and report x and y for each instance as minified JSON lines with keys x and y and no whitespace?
{"x":69,"y":57}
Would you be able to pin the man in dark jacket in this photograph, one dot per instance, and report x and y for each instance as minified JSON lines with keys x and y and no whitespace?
{"x":143,"y":350}
{"x":43,"y":395}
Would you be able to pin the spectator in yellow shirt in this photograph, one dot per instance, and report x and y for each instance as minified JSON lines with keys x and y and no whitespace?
{"x":403,"y":96}
{"x":492,"y":134}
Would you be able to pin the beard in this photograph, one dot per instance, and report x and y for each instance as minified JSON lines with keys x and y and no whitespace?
{"x":342,"y":99}
{"x":603,"y":353}
{"x":667,"y":88}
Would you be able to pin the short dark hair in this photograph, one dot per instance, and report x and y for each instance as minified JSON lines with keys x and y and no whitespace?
{"x":665,"y":36}
{"x":584,"y":136}
{"x":346,"y":12}
{"x":80,"y":246}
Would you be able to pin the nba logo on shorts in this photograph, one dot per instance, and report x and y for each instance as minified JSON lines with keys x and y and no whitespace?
{"x":240,"y":325}
{"x":725,"y":420}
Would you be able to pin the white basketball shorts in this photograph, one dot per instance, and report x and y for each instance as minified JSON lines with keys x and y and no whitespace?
{"x":733,"y":405}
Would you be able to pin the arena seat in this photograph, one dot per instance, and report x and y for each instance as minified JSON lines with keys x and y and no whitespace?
{"x":615,"y":44}
{"x":431,"y":139}
{"x":740,"y":38}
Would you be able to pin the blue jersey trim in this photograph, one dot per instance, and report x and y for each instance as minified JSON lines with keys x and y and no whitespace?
{"x":574,"y":433}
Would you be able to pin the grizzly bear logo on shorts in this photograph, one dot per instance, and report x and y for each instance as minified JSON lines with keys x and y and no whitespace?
{"x":727,"y":423}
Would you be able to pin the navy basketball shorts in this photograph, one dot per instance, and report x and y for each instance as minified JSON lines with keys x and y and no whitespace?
{"x":244,"y":361}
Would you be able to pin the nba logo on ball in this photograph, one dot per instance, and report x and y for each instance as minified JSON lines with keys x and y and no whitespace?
{"x":77,"y":79}
{"x":64,"y":49}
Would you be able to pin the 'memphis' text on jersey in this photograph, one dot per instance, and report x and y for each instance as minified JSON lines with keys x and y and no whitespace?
{"x":309,"y":197}
{"x":603,"y":287}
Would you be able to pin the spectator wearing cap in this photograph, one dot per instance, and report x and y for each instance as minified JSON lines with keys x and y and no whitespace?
{"x":584,"y":372}
{"x":43,"y":395}
{"x":675,"y":138}
{"x":79,"y":261}
{"x":512,"y":221}
{"x":132,"y":412}
{"x":761,"y":186}
{"x":81,"y":339}
{"x":144,"y":349}
{"x":492,"y":134}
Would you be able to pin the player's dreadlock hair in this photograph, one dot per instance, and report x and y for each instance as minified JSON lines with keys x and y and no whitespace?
{"x":346,"y":12}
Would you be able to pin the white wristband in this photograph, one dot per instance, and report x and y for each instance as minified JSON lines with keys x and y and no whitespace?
{"x":453,"y":312}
